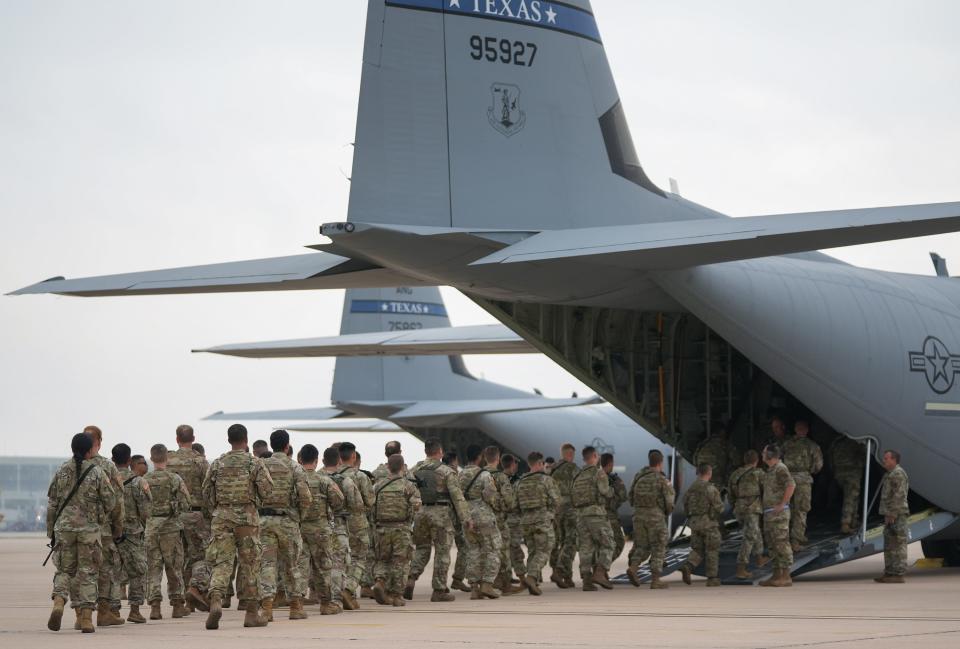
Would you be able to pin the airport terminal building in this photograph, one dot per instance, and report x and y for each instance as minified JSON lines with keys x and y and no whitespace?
{"x":23,"y":492}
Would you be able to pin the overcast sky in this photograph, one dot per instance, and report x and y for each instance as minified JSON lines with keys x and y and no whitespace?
{"x":138,"y":135}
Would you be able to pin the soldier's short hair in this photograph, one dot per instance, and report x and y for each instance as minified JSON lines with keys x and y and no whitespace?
{"x":751,"y":456}
{"x":491,"y":454}
{"x":198,"y":447}
{"x":473,"y":452}
{"x":606,"y":459}
{"x":588,"y":451}
{"x":137,"y":459}
{"x":507,"y":461}
{"x":309,"y":454}
{"x":94,"y":432}
{"x":704,"y":469}
{"x":184,"y":434}
{"x":237,"y":433}
{"x":120,"y":454}
{"x":655,"y":458}
{"x":534,"y":457}
{"x":450,"y":457}
{"x":331,"y":457}
{"x":894,"y":454}
{"x":260,"y":446}
{"x":158,"y":453}
{"x":347,"y":449}
{"x":550,"y":460}
{"x":279,"y":440}
{"x":395,"y":463}
{"x":567,"y":447}
{"x":391,"y":448}
{"x":772,"y":451}
{"x":431,"y":446}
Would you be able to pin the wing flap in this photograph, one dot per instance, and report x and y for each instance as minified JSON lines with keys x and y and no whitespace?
{"x":312,"y":414}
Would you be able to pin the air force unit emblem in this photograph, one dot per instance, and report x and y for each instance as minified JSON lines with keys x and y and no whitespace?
{"x":505,"y":114}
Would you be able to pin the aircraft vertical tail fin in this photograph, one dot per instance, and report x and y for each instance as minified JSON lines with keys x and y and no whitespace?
{"x":496,"y":114}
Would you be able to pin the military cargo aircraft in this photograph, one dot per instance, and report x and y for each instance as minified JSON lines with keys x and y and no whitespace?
{"x":493,"y":155}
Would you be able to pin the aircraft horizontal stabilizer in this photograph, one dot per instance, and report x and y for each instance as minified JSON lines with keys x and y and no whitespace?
{"x":298,"y":272}
{"x":441,"y":341}
{"x":682,"y":244}
{"x":430,"y":413}
{"x":346,"y":425}
{"x":312,"y":414}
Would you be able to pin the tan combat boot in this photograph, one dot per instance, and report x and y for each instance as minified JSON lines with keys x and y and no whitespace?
{"x":475,"y":592}
{"x":216,"y":611}
{"x":380,"y":592}
{"x":532,"y":585}
{"x":408,"y":589}
{"x":398,"y":600}
{"x":713,"y":582}
{"x":601,"y":578}
{"x":686,"y":571}
{"x":366,"y":592}
{"x":442,"y":596}
{"x":56,"y":615}
{"x":179,"y":609}
{"x":742,"y":572}
{"x":588,"y":586}
{"x":241,"y":604}
{"x":568,"y":582}
{"x":78,"y":612}
{"x":487,"y":590}
{"x":227,"y":602}
{"x":633,"y":576}
{"x":556,"y":578}
{"x":656,"y":583}
{"x":458,"y":584}
{"x":845,"y":528}
{"x":785,"y":579}
{"x":280,"y":599}
{"x":267,"y":606}
{"x":796,"y":546}
{"x":350,"y":602}
{"x":155,"y":613}
{"x":134,"y":616}
{"x":115,"y":616}
{"x":761,"y":561}
{"x":890,"y":579}
{"x":254,"y":618}
{"x":104,"y":614}
{"x":196,"y":599}
{"x":86,"y":621}
{"x":296,"y":609}
{"x":771,"y":582}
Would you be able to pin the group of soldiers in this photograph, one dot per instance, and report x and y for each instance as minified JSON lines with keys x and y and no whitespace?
{"x":274,"y":531}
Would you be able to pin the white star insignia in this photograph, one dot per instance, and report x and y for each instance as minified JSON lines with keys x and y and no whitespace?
{"x":551,"y":15}
{"x":454,"y":3}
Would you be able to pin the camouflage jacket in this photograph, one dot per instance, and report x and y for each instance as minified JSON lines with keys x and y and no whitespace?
{"x":448,"y":484}
{"x":136,"y":503}
{"x":563,"y":473}
{"x":652,"y":490}
{"x":803,"y":457}
{"x":291,"y":494}
{"x":702,"y":505}
{"x":619,"y":495}
{"x":168,"y":499}
{"x":360,"y":521}
{"x":716,"y":452}
{"x":480,"y":490}
{"x":848,"y":457}
{"x":590,"y":492}
{"x":776,"y":481}
{"x":327,"y":498}
{"x":352,"y":498}
{"x":192,"y":468}
{"x":745,"y":490}
{"x":114,"y":519}
{"x":537,"y":498}
{"x":396,"y":502}
{"x":234,"y":486}
{"x":893,"y":495}
{"x":508,"y":498}
{"x":95,"y":500}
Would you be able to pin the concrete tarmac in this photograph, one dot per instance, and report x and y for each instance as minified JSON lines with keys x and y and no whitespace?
{"x":838,"y":607}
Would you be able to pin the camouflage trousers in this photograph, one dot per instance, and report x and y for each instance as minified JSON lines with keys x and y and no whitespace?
{"x":649,"y":539}
{"x":133,"y":554}
{"x":800,"y":506}
{"x":705,"y":546}
{"x":619,"y":542}
{"x":895,"y":539}
{"x":164,"y":553}
{"x":505,"y":574}
{"x":776,"y":534}
{"x":316,"y":561}
{"x":108,"y":581}
{"x":196,"y":538}
{"x":361,"y":550}
{"x":340,"y":578}
{"x":460,"y":566}
{"x":596,"y":544}
{"x":394,"y":551}
{"x":433,"y":529}
{"x":517,"y":558}
{"x":850,"y":484}
{"x":752,"y":543}
{"x":282,"y":544}
{"x":565,"y":527}
{"x":77,"y":562}
{"x":541,"y":539}
{"x":483,"y":546}
{"x":230,"y":542}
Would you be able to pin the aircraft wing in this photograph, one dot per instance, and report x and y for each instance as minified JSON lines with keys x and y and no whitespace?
{"x":428,"y":413}
{"x":682,"y":244}
{"x":443,"y":341}
{"x":347,"y":425}
{"x":317,"y":270}
{"x":314,"y":414}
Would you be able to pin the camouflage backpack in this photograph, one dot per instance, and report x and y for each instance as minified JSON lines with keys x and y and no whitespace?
{"x":188,"y":465}
{"x":646,"y":492}
{"x":282,"y":474}
{"x":530,"y":492}
{"x":391,"y":504}
{"x":585,"y":492}
{"x":163,"y":488}
{"x":427,"y":481}
{"x":233,"y":479}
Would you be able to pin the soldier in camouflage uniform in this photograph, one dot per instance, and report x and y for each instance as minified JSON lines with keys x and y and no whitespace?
{"x":397,"y":501}
{"x":538,"y":500}
{"x":383,"y":471}
{"x":803,"y":457}
{"x":108,"y":584}
{"x":316,"y":526}
{"x":589,"y":495}
{"x":703,"y":506}
{"x":652,"y":498}
{"x":565,"y":526}
{"x":744,"y":490}
{"x":460,"y":565}
{"x":73,"y":527}
{"x":717,"y":452}
{"x":511,"y":468}
{"x":614,"y":503}
{"x":191,"y":466}
{"x":778,"y":435}
{"x":163,"y":540}
{"x":507,"y":503}
{"x":342,"y":584}
{"x":232,"y":487}
{"x":280,"y":514}
{"x":358,"y":524}
{"x":481,"y":531}
{"x":136,"y":511}
{"x":433,"y":528}
{"x":778,"y":487}
{"x":848,"y":460}
{"x":895,"y":510}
